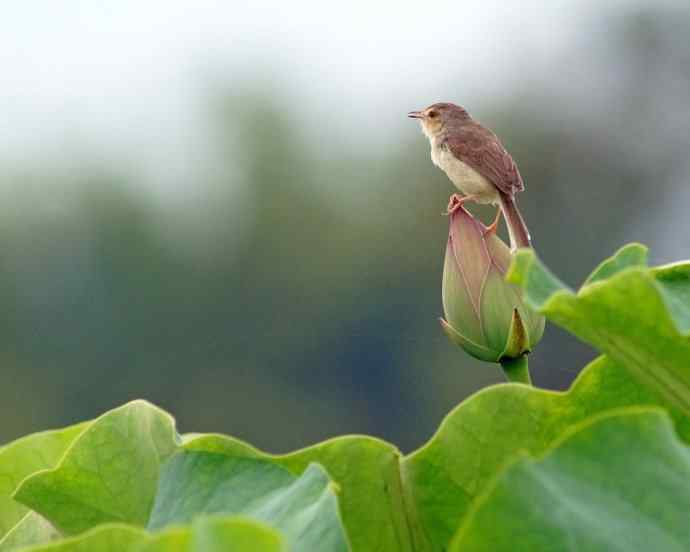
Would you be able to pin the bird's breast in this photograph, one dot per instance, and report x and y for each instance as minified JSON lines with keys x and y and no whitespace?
{"x":465,"y":178}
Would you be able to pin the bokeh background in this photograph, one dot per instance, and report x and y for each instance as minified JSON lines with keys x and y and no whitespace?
{"x":222,"y":208}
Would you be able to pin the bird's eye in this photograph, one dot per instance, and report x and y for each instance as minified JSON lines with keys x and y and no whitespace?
{"x":433,"y":114}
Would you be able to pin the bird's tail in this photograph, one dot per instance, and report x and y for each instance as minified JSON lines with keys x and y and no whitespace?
{"x":517,"y":229}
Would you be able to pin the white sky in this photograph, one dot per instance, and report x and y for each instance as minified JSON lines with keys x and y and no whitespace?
{"x":125,"y":79}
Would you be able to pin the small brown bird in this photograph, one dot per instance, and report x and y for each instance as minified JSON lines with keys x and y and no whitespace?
{"x":476,"y":162}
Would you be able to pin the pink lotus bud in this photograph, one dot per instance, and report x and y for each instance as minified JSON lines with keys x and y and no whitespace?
{"x":484,"y":314}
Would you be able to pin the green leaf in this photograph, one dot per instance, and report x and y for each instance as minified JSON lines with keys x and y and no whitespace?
{"x":416,"y":503}
{"x":32,"y":529}
{"x":304,"y":509}
{"x":106,"y":538}
{"x":367,"y":472}
{"x":206,"y":534}
{"x":194,"y":483}
{"x":674,"y":282}
{"x":217,"y":534}
{"x":628,"y":256}
{"x":446,"y":476}
{"x":23,"y":457}
{"x":617,"y":482}
{"x":239,"y":535}
{"x":537,"y":286}
{"x":109,"y":473}
{"x":639,"y":317}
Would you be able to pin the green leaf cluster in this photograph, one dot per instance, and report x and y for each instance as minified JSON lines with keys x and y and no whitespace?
{"x":602,"y":466}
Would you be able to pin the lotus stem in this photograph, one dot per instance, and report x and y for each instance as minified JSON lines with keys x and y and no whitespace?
{"x":516,"y":370}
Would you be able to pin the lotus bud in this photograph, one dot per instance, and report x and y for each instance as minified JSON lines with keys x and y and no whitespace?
{"x":485,"y":314}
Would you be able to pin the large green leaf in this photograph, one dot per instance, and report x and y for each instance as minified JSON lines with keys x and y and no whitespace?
{"x":366,"y":470}
{"x":106,"y":538}
{"x":109,"y":473}
{"x":617,"y":482}
{"x":32,"y":529}
{"x":639,"y":317}
{"x":23,"y":457}
{"x":416,"y":503}
{"x":217,"y":534}
{"x":388,"y":502}
{"x":206,"y":534}
{"x":445,"y":477}
{"x":304,"y":509}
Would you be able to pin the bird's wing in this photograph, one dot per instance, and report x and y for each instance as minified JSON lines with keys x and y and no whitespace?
{"x":481,"y":149}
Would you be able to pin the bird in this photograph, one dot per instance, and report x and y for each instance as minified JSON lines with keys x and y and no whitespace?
{"x":477,"y":163}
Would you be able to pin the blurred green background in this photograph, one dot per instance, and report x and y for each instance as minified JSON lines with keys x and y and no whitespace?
{"x":223,"y":208}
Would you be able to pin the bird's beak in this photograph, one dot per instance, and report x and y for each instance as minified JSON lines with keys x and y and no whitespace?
{"x":415,"y":115}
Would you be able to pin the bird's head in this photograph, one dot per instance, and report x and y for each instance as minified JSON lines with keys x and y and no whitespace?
{"x":435,"y":118}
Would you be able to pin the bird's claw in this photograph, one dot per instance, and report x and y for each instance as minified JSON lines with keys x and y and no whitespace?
{"x":455,"y":202}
